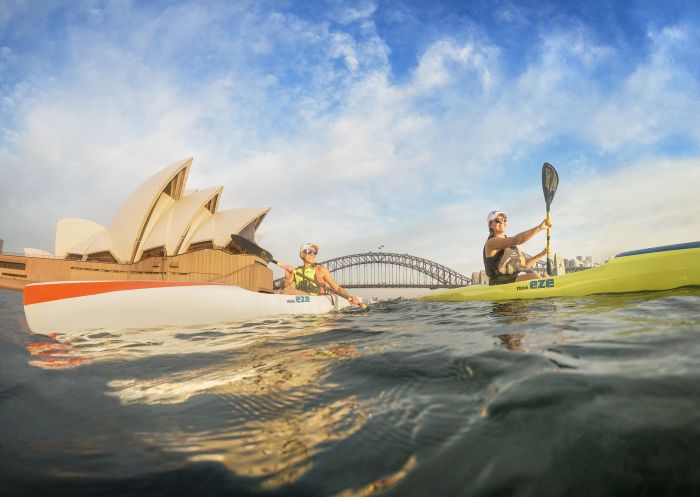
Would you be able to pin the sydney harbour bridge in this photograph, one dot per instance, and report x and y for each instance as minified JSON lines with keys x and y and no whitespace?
{"x":389,"y":270}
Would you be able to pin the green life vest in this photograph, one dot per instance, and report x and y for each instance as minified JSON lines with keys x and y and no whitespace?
{"x":303,"y":284}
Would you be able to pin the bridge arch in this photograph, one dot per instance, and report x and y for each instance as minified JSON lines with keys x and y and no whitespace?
{"x":391,"y":270}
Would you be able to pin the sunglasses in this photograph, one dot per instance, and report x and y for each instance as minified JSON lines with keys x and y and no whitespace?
{"x":310,"y":252}
{"x":500,"y":221}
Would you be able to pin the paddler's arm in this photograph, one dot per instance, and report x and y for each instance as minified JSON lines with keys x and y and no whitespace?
{"x":323,"y":276}
{"x":496,"y":243}
{"x":288,"y":275}
{"x":532,"y":260}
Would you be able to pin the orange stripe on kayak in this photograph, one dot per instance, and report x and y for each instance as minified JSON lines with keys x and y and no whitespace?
{"x":36,"y":294}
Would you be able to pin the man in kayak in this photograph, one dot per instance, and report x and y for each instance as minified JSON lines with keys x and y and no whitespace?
{"x":310,"y":278}
{"x":503,"y":261}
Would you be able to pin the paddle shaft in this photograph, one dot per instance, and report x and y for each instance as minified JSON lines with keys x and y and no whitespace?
{"x":549,"y":260}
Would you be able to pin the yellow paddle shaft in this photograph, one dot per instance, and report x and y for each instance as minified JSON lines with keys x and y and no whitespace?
{"x":549,"y":220}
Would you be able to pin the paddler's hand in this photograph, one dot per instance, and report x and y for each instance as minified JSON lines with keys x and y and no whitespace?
{"x":545,"y":224}
{"x":356,"y":301}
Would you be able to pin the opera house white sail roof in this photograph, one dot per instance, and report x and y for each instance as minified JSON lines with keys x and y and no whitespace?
{"x":158,"y":218}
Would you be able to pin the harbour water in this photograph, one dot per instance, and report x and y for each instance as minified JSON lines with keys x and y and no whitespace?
{"x":559,"y":397}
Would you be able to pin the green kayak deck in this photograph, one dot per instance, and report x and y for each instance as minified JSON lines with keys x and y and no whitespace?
{"x":653,"y":269}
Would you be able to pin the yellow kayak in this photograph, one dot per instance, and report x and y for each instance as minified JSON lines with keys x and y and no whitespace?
{"x":653,"y":269}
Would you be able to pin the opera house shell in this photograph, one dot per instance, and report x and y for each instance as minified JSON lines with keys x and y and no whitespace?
{"x":161,"y":231}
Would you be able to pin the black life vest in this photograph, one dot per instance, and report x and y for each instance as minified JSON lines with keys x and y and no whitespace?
{"x":504,"y":266}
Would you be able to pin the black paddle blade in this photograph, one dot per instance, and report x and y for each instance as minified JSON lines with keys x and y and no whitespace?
{"x":248,"y":247}
{"x":550,"y":181}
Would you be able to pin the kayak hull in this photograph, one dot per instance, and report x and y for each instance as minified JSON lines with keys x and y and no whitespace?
{"x":656,"y":269}
{"x":70,"y":306}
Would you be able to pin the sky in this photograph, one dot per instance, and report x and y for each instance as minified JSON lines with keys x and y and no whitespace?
{"x":361,"y":123}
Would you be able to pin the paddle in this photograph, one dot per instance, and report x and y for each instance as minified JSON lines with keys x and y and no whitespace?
{"x":248,"y":247}
{"x":550,"y":181}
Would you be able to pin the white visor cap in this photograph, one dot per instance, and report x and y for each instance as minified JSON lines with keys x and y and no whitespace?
{"x":311,"y":246}
{"x":493,"y":215}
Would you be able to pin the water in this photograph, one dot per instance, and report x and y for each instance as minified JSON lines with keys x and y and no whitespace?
{"x":590,"y":397}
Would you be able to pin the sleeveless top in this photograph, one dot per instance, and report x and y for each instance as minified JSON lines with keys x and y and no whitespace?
{"x":508,"y":259}
{"x":306,"y":285}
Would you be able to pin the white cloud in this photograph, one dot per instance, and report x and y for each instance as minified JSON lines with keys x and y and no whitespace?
{"x":356,"y":11}
{"x":433,"y":67}
{"x":657,"y":99}
{"x":343,"y":46}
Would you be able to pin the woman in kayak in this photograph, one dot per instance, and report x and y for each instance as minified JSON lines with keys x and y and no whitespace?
{"x":310,"y":278}
{"x":503,"y":261}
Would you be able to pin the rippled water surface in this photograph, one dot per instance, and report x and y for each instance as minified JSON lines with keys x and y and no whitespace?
{"x":594,"y":397}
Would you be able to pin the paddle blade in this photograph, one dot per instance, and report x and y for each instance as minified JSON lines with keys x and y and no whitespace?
{"x":550,"y":181}
{"x":248,"y":247}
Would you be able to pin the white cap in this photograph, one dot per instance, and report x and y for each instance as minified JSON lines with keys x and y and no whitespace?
{"x":308,"y":245}
{"x":492,"y":215}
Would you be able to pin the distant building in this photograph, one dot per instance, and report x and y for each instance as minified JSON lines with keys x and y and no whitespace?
{"x":2,"y":243}
{"x":559,"y":264}
{"x":578,"y":264}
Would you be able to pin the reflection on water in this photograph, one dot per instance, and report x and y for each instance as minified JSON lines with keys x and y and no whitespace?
{"x":512,"y":341}
{"x":594,"y":396}
{"x":516,"y":313}
{"x":265,"y":387}
{"x":279,"y":450}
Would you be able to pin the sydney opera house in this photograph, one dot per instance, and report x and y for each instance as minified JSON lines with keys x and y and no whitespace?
{"x":161,"y":232}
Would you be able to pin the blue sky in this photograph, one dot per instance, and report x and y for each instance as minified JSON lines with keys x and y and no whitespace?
{"x":365,"y":123}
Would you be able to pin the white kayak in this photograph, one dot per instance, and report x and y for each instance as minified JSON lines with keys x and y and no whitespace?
{"x":71,"y":306}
